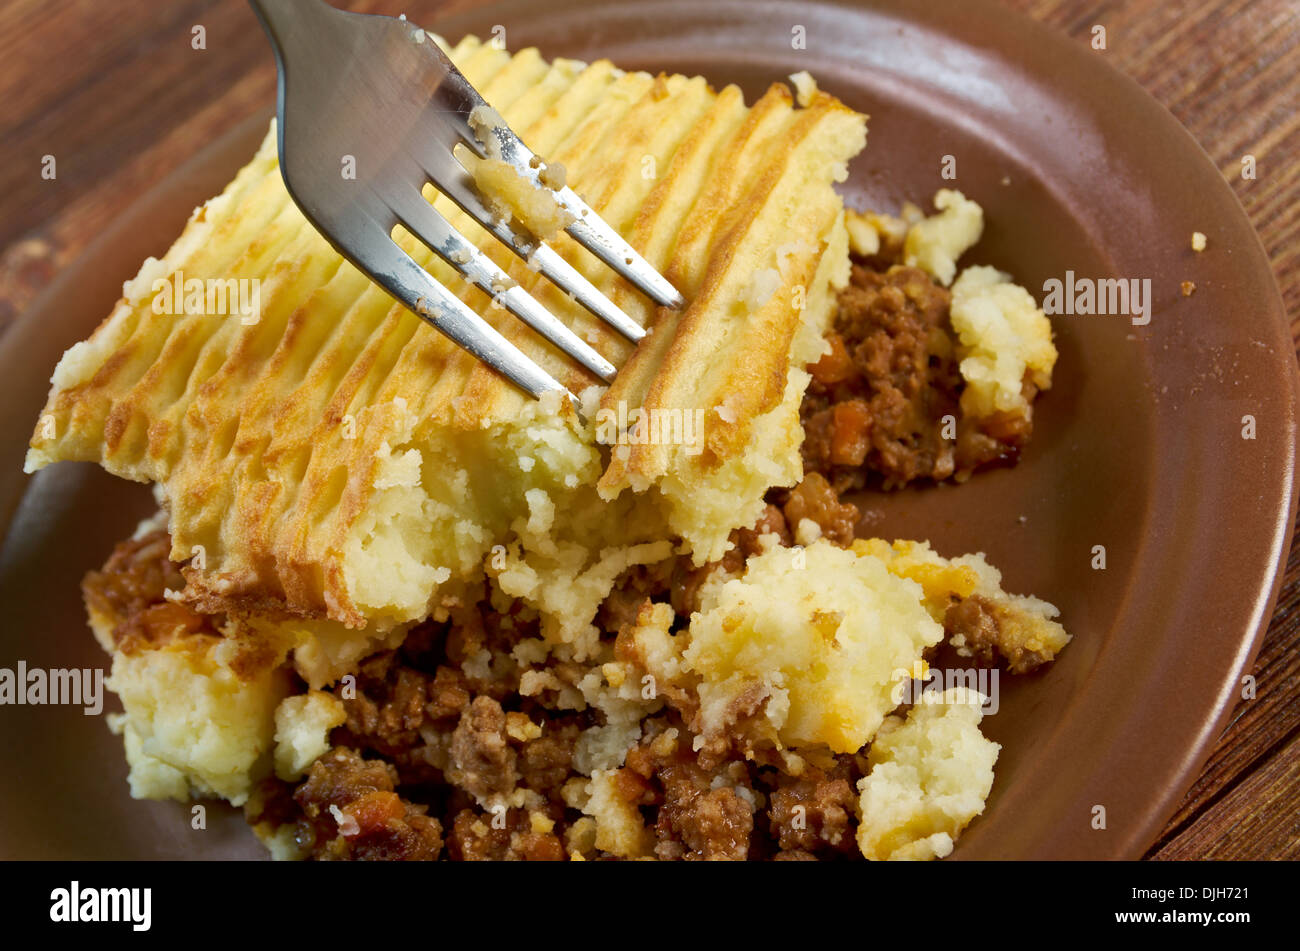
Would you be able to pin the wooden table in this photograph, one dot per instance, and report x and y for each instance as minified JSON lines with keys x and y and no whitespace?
{"x":118,"y":93}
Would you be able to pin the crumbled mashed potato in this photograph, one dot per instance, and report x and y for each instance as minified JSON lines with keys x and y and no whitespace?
{"x":325,"y":650}
{"x":864,"y":236}
{"x":820,"y":631}
{"x":1004,"y":339}
{"x":805,"y":87}
{"x":302,"y":731}
{"x":620,"y":830}
{"x":930,"y":775}
{"x":196,"y":722}
{"x":934,"y":244}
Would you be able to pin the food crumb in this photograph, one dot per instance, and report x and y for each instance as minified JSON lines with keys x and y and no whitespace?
{"x":1198,"y":241}
{"x":553,"y":176}
{"x":1189,"y":288}
{"x":805,"y":87}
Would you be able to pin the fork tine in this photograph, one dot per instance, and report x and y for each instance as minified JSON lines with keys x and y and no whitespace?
{"x":588,"y":228}
{"x":567,"y":278}
{"x":595,"y":234}
{"x":437,"y":233}
{"x":458,"y":186}
{"x":414,"y":287}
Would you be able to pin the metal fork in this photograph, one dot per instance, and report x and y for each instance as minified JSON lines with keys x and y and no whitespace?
{"x":376,"y":96}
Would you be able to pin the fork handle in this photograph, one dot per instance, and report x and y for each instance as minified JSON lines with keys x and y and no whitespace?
{"x":287,"y":22}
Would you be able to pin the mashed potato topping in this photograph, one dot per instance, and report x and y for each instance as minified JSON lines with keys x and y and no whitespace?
{"x":1005,"y":339}
{"x":620,"y":830}
{"x":966,"y":594}
{"x":339,"y":460}
{"x":930,"y":775}
{"x":507,"y":193}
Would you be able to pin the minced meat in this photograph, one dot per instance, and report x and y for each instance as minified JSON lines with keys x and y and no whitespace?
{"x":814,"y":814}
{"x":350,"y":810}
{"x":132,"y":586}
{"x":482,"y":761}
{"x":884,"y":404}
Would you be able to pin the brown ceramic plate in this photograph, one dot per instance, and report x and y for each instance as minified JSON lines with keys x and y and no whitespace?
{"x":1138,"y":447}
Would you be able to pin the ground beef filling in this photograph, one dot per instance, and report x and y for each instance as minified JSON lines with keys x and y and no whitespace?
{"x":132,"y":586}
{"x":347,"y":808}
{"x":815,"y":813}
{"x":883,"y":406}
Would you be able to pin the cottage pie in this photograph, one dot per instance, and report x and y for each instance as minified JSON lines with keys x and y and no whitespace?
{"x":395,"y":609}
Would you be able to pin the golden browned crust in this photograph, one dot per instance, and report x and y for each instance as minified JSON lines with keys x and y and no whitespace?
{"x":285,"y":444}
{"x":693,"y":357}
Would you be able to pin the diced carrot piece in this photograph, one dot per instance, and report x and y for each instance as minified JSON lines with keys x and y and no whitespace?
{"x":373,"y":809}
{"x":851,"y":433}
{"x":834,"y":367}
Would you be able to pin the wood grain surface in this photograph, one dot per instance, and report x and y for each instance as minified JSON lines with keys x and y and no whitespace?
{"x":117,"y":93}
